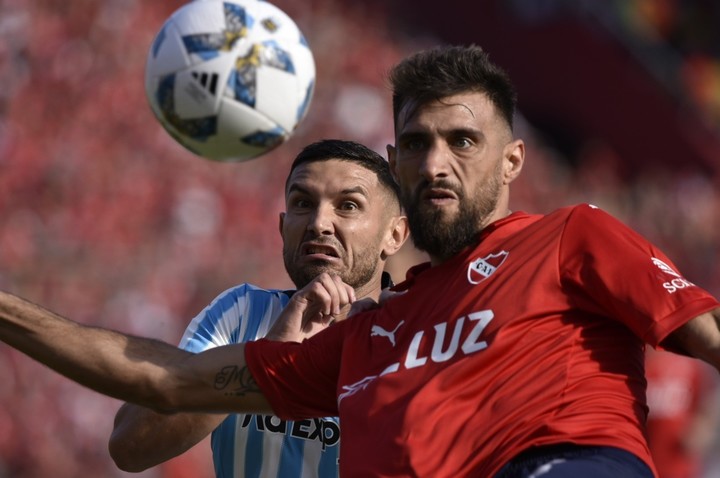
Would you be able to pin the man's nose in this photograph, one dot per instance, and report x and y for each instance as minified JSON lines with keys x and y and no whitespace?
{"x":321,"y":220}
{"x":435,"y":163}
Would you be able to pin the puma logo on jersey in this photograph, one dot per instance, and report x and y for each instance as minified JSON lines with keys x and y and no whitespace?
{"x":442,"y":350}
{"x":672,"y":286}
{"x":377,"y":331}
{"x":481,"y":269}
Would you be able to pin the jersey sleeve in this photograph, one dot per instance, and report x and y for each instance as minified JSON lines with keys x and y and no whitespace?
{"x":240,"y":314}
{"x":299,"y":379}
{"x":614,"y":271}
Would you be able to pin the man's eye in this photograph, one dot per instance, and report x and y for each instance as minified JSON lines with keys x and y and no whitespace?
{"x":349,"y":206}
{"x":301,"y":203}
{"x":462,"y":143}
{"x":414,"y":144}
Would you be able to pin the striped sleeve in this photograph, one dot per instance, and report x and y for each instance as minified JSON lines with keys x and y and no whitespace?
{"x":240,"y":314}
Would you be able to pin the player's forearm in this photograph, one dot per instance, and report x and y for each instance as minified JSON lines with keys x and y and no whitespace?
{"x":142,"y":438}
{"x":109,"y":362}
{"x":137,"y":370}
{"x":700,"y":338}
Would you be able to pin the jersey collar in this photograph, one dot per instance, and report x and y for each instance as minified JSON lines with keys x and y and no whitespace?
{"x":417,"y":270}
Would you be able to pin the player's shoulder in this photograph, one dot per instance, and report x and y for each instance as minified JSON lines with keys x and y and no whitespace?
{"x":253,"y":291}
{"x":588,"y":223}
{"x":239,"y":314}
{"x":247,"y":296}
{"x":583,"y":213}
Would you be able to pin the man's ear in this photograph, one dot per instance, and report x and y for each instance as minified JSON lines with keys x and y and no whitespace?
{"x":397,"y":235}
{"x":281,"y":221}
{"x":514,"y":158}
{"x":391,"y":152}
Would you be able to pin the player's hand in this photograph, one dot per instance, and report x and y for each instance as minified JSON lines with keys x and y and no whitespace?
{"x":324,"y":300}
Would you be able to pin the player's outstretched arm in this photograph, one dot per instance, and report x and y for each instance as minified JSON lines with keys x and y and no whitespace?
{"x":142,"y":438}
{"x":138,"y":370}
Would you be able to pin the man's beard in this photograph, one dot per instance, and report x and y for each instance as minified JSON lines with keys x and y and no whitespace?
{"x":361,"y":273}
{"x":444,"y":237}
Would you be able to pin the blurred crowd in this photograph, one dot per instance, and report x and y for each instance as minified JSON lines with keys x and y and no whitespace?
{"x":105,"y":219}
{"x":691,"y":31}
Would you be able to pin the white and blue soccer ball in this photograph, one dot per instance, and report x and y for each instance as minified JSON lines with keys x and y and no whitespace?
{"x":230,"y":79}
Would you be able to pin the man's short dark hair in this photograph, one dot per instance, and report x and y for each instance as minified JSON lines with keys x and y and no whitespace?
{"x":431,"y":75}
{"x":351,"y":152}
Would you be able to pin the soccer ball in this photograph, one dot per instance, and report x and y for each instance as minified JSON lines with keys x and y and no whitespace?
{"x":229,"y":80}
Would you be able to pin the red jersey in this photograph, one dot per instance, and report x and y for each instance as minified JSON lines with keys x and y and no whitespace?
{"x":535,"y":336}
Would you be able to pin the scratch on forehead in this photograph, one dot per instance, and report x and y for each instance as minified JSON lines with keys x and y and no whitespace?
{"x":472,"y":113}
{"x":412,"y":107}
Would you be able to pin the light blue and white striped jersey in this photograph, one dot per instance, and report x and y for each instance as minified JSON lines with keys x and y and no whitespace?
{"x":258,"y":446}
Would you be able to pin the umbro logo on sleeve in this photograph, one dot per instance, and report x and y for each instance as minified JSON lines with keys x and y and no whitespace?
{"x":679,"y":282}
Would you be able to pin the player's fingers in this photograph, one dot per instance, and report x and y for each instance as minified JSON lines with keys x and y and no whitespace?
{"x":314,"y":295}
{"x":326,"y":296}
{"x":334,"y":295}
{"x":343,"y":295}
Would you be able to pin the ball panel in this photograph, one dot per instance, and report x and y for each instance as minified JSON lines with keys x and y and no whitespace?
{"x":197,"y":18}
{"x":277,"y":96}
{"x":198,"y":126}
{"x":271,"y":22}
{"x":218,"y":39}
{"x":167,"y":53}
{"x":198,"y":89}
{"x":242,"y":128}
{"x":305,"y":104}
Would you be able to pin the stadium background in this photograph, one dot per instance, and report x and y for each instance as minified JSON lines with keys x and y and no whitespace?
{"x":106,"y":220}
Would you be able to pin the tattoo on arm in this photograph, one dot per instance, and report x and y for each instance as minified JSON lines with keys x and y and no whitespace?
{"x":234,"y":380}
